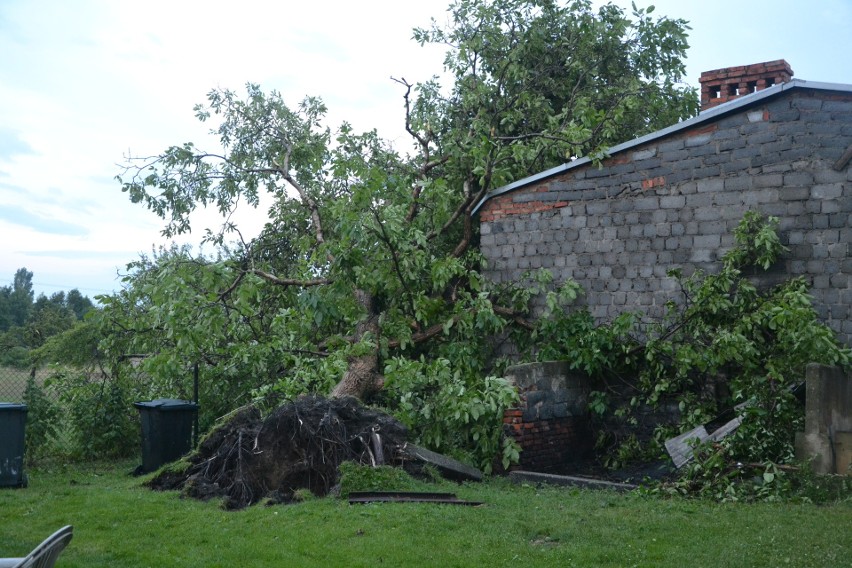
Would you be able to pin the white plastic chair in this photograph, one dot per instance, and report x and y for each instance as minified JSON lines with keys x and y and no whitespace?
{"x":45,"y":554}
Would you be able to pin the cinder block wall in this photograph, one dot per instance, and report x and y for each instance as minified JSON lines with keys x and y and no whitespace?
{"x":675,"y":201}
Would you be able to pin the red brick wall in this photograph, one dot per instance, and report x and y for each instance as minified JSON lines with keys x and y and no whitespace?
{"x":547,"y":445}
{"x":551,"y":421}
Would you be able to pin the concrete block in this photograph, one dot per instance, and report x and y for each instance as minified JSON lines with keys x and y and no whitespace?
{"x":738,"y":183}
{"x":735,"y":166}
{"x":643,"y":154}
{"x":768,"y":180}
{"x":827,"y":191}
{"x":798,"y":178}
{"x":828,"y":410}
{"x":710,"y":185}
{"x":698,"y":140}
{"x":793,"y":193}
{"x":707,"y":214}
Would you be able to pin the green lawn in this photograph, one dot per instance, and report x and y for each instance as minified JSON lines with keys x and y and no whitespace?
{"x":119,"y":523}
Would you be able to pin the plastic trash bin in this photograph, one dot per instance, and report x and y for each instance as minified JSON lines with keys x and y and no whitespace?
{"x":166,"y":430}
{"x":13,"y":419}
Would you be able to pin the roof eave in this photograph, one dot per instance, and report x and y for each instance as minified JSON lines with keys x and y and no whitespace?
{"x":708,"y":115}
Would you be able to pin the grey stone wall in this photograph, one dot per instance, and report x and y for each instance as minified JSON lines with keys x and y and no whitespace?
{"x":673,"y":202}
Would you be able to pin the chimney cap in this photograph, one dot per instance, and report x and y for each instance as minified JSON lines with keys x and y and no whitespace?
{"x":766,"y":67}
{"x":728,"y":83}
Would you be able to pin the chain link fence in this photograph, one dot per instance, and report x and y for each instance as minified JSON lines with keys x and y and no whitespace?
{"x":45,"y":434}
{"x":76,"y":414}
{"x":13,"y":384}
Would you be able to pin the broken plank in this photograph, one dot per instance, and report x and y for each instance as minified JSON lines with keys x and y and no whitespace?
{"x":568,"y":481}
{"x":726,"y":429}
{"x":680,"y":447}
{"x":360,"y":497}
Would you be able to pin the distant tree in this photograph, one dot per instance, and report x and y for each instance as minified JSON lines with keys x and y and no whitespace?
{"x":49,"y":317}
{"x":21,"y":297}
{"x":25,"y":324}
{"x":5,"y":308}
{"x":78,"y":303}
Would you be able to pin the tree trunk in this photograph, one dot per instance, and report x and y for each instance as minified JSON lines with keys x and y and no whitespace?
{"x":362,"y":377}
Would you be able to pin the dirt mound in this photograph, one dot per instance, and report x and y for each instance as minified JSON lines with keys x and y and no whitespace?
{"x":298,"y":446}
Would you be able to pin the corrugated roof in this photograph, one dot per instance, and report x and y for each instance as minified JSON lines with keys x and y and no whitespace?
{"x":708,"y":115}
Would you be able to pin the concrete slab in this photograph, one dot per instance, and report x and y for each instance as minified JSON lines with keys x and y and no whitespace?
{"x":449,"y":468}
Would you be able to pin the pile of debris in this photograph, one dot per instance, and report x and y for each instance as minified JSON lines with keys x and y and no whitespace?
{"x":300,"y":445}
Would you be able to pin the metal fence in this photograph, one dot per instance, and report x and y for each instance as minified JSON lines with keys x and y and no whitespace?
{"x":86,"y":414}
{"x":76,"y":414}
{"x":45,"y":432}
{"x":13,"y":384}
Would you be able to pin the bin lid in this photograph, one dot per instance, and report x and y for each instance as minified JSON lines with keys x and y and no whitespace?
{"x":166,"y":404}
{"x":12,"y":406}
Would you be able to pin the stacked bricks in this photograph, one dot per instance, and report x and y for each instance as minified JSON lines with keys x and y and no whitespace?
{"x":551,"y":423}
{"x":674,"y":201}
{"x":723,"y":85}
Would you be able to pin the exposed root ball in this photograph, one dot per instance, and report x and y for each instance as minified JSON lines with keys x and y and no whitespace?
{"x":298,"y":446}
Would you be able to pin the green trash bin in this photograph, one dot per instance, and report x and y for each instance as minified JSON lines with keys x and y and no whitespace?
{"x":13,"y":419}
{"x":166,"y":430}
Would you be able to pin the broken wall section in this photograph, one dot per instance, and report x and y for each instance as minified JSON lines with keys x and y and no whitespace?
{"x":551,"y":421}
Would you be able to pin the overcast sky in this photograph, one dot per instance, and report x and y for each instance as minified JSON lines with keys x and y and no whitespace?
{"x":84,"y":83}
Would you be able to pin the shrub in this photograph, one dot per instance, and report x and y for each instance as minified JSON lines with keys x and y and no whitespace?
{"x":42,"y":419}
{"x":100,"y":414}
{"x":450,"y":412}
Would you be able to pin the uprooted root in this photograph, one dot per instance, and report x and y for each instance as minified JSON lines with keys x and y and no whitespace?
{"x":298,"y":446}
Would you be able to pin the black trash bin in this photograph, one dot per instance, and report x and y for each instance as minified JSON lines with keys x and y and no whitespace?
{"x":166,"y":430}
{"x":13,"y":419}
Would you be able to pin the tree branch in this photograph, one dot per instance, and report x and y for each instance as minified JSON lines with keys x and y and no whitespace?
{"x":289,"y":281}
{"x":313,"y":208}
{"x":516,"y":317}
{"x":423,"y":141}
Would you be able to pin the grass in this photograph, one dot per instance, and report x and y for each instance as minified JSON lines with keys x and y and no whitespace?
{"x":119,"y":523}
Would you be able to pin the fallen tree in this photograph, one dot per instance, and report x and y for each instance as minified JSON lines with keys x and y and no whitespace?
{"x":366,"y":277}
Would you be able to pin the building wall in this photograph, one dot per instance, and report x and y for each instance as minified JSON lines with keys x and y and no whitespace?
{"x":673,"y":202}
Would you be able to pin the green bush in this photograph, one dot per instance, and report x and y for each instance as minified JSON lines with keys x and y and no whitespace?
{"x":450,"y":412}
{"x":42,"y":420}
{"x":16,"y":357}
{"x":100,"y":414}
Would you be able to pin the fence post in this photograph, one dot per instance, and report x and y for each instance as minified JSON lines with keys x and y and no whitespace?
{"x":195,"y":394}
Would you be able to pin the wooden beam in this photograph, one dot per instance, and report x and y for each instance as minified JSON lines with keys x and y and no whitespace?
{"x":844,"y":159}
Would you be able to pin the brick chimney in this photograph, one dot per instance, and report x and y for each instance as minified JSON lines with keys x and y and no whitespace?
{"x":723,"y":85}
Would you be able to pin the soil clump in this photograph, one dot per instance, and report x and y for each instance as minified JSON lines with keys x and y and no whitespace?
{"x":298,"y":446}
